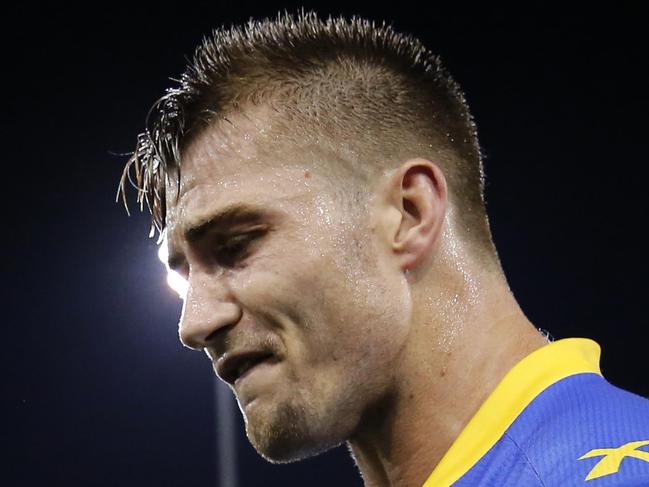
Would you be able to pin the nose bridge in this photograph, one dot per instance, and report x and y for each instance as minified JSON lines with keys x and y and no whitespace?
{"x":208,"y":307}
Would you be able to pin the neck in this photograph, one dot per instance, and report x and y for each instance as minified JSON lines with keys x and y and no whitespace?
{"x":448,"y":369}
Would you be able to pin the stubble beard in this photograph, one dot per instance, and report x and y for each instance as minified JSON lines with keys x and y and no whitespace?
{"x":285,"y":434}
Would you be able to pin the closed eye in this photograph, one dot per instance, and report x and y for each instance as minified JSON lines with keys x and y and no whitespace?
{"x":236,"y":248}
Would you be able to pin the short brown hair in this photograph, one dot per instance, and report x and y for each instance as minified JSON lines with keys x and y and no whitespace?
{"x":354,"y":83}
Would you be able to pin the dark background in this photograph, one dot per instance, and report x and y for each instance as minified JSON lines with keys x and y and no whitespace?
{"x":96,"y":388}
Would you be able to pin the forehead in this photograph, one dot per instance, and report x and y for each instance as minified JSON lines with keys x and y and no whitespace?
{"x":241,"y":160}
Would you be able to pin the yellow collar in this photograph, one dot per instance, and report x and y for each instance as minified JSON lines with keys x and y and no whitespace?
{"x":526,"y":380}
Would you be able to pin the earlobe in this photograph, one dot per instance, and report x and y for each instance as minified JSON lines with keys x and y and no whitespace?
{"x":418,"y":192}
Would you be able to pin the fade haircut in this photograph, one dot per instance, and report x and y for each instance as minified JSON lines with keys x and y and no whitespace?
{"x":370,"y":96}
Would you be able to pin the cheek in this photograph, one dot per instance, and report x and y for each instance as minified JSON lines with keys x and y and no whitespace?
{"x":365,"y":316}
{"x":283,"y":293}
{"x":333,"y":302}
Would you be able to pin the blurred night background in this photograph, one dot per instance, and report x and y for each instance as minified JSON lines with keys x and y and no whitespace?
{"x":96,"y":388}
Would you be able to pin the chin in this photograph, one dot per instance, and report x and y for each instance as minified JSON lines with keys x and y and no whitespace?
{"x":285,"y":434}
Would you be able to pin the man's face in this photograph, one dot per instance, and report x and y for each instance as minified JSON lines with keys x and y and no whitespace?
{"x":302,"y":283}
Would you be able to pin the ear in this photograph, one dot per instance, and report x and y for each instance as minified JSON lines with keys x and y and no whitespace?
{"x":412,"y":211}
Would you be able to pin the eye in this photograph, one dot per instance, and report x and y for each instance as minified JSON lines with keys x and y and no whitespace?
{"x":234,"y":249}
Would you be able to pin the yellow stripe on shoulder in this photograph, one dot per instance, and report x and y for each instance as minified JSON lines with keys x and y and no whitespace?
{"x":526,"y":380}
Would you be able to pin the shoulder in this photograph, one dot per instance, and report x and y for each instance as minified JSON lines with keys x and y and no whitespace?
{"x":553,"y":420}
{"x":584,"y":429}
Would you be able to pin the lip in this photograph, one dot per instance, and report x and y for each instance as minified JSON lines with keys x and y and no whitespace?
{"x":227,"y":366}
{"x":259,"y":366}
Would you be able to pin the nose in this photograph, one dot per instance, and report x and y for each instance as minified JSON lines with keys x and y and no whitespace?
{"x":208,"y":307}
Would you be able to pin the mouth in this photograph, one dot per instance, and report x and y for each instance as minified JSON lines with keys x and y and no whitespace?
{"x":234,"y":366}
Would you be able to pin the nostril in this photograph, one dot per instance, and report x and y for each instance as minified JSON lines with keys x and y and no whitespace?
{"x":212,"y":336}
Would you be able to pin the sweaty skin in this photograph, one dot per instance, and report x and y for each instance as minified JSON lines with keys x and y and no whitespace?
{"x":386,"y":332}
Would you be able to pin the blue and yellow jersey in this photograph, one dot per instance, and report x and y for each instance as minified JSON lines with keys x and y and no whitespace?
{"x":552,"y":421}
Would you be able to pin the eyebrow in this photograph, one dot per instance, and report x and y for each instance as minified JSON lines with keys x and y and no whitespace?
{"x":220,"y":221}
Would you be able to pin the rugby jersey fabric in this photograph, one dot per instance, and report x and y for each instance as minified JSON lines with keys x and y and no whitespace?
{"x":553,"y":420}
